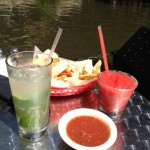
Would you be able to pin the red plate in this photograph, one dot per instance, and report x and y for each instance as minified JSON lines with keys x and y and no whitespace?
{"x":73,"y":90}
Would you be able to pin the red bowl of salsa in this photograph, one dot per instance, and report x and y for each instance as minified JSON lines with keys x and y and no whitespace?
{"x":86,"y":128}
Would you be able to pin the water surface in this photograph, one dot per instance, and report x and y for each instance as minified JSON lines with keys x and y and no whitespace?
{"x":24,"y":24}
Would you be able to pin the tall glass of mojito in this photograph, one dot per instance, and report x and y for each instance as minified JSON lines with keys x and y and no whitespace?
{"x":30,"y":81}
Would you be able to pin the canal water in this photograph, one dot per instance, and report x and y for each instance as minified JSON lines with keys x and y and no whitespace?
{"x":25,"y":23}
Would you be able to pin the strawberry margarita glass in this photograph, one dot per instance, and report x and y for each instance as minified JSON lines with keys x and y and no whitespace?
{"x":115,"y":90}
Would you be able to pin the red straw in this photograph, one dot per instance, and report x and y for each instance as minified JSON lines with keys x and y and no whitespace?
{"x":103,"y":48}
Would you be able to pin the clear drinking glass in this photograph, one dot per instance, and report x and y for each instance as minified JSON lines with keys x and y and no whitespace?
{"x":43,"y":144}
{"x":115,"y":90}
{"x":30,"y":86}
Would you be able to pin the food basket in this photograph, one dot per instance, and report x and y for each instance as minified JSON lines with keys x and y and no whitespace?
{"x":72,"y":90}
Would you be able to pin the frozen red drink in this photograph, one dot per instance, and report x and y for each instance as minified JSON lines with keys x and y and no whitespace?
{"x":115,"y":89}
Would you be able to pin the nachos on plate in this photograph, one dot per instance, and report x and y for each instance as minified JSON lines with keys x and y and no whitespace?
{"x":69,"y":73}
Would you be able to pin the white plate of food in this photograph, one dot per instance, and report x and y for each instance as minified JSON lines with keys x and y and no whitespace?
{"x":73,"y":77}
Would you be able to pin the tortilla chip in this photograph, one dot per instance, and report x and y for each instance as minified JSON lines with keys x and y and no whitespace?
{"x":59,"y":68}
{"x":88,"y":66}
{"x":96,"y":68}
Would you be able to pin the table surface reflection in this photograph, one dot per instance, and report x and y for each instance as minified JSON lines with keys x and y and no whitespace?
{"x":133,"y":129}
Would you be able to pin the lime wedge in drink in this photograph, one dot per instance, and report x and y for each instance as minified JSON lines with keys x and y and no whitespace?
{"x":30,"y":122}
{"x":21,"y":102}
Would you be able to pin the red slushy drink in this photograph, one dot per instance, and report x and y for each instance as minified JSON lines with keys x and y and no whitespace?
{"x":115,"y":89}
